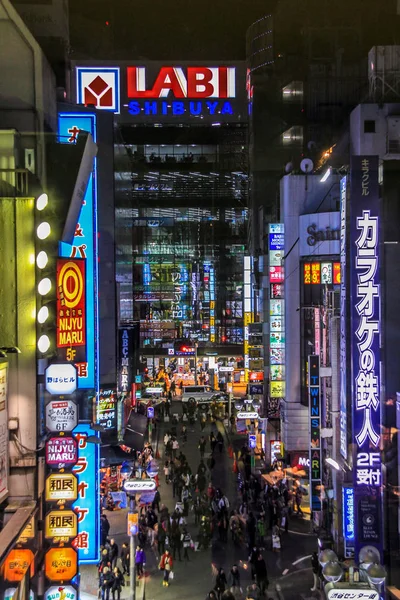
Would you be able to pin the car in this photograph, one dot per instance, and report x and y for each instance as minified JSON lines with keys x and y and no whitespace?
{"x":197,"y":393}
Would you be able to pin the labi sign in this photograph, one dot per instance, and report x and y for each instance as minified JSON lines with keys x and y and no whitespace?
{"x":319,"y":234}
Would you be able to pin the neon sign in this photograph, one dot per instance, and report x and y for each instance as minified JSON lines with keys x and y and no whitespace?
{"x":315,"y":431}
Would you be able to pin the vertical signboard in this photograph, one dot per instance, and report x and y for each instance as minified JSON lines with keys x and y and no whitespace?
{"x":315,"y":431}
{"x":3,"y":432}
{"x":107,"y":409}
{"x":343,"y":313}
{"x":71,"y":310}
{"x":247,"y":312}
{"x":87,"y":506}
{"x":125,"y":357}
{"x":84,"y":245}
{"x":348,"y":521}
{"x":276,"y":250}
{"x":365,"y":331}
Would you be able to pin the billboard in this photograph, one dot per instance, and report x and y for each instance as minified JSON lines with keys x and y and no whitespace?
{"x":87,"y":506}
{"x":107,"y":409}
{"x":319,"y":234}
{"x":276,"y":251}
{"x":365,"y":349}
{"x":343,"y":314}
{"x":71,"y":309}
{"x":314,"y":391}
{"x":84,"y":246}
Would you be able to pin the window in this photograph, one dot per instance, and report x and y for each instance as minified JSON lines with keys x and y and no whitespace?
{"x":369,"y":126}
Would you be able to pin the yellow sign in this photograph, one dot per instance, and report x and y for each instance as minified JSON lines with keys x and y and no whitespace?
{"x":277,"y":389}
{"x":248,"y":318}
{"x":28,"y":533}
{"x":61,"y":524}
{"x":61,"y":564}
{"x":61,"y":487}
{"x":133,"y":521}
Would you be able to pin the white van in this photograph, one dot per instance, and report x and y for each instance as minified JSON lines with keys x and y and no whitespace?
{"x":197,"y":393}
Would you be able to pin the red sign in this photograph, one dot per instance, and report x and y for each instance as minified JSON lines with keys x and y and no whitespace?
{"x":61,"y":452}
{"x":315,"y":272}
{"x":336,"y":273}
{"x":71,"y":304}
{"x":199,"y":82}
{"x":256,"y":376}
{"x":307,"y":273}
{"x":276,"y":274}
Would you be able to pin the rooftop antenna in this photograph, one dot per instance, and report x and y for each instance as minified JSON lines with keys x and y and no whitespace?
{"x":306,"y":166}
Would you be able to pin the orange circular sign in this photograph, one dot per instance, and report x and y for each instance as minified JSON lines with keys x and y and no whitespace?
{"x":61,"y":564}
{"x":71,"y":281}
{"x":17,"y":563}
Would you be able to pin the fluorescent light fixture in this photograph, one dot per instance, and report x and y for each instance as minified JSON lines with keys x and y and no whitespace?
{"x":333,"y":463}
{"x":42,"y":201}
{"x":43,"y":230}
{"x":44,"y":286}
{"x":43,"y":343}
{"x":41,"y":259}
{"x":43,"y":315}
{"x":326,"y":175}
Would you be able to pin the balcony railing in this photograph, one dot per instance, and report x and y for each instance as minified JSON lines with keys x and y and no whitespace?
{"x":14,"y":182}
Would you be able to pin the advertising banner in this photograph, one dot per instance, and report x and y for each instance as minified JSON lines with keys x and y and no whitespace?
{"x":348,"y":521}
{"x":126,"y":359}
{"x":61,"y":564}
{"x":61,"y":415}
{"x":315,"y":432}
{"x":3,"y":433}
{"x":65,"y":592}
{"x":87,"y":506}
{"x":107,"y":409}
{"x":343,"y":323}
{"x":319,"y":234}
{"x":365,"y":348}
{"x":71,"y":309}
{"x":61,"y":488}
{"x":61,"y":452}
{"x":60,"y":379}
{"x":276,"y":250}
{"x":84,"y":246}
{"x":61,"y":525}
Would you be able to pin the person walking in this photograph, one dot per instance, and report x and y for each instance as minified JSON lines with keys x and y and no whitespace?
{"x":235,"y":580}
{"x":104,"y":529}
{"x":186,"y":541}
{"x":140,"y":560}
{"x":125,"y":558}
{"x":175,"y":448}
{"x":105,"y":583}
{"x":298,"y":500}
{"x":166,"y":564}
{"x":117,"y":582}
{"x":202,"y":446}
{"x":161,"y":538}
{"x":220,"y":583}
{"x":213,"y":442}
{"x":113,"y":553}
{"x":184,"y":434}
{"x":220,"y":441}
{"x":260,"y":567}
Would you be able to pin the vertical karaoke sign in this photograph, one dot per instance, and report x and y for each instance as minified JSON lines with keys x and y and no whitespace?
{"x":365,"y":333}
{"x":314,"y":390}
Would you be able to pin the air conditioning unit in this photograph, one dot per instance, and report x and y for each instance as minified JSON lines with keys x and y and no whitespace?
{"x":30,"y":160}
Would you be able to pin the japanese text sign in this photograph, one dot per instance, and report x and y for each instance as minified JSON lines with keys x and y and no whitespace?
{"x":17,"y":563}
{"x":61,"y":524}
{"x":61,"y":564}
{"x":71,"y":309}
{"x":61,"y":452}
{"x":87,"y":506}
{"x":61,"y":415}
{"x":365,"y":331}
{"x":315,"y":431}
{"x":61,"y":488}
{"x":60,"y":379}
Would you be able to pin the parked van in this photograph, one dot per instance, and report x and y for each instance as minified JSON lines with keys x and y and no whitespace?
{"x":197,"y":393}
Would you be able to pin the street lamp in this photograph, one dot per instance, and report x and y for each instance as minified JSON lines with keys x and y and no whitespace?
{"x":368,"y":556}
{"x":326,"y":556}
{"x":332,"y":571}
{"x":376,"y":574}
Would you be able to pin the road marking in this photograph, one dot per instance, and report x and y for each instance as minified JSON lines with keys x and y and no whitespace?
{"x":299,"y":560}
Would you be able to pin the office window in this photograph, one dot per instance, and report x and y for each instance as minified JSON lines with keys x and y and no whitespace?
{"x":369,"y":126}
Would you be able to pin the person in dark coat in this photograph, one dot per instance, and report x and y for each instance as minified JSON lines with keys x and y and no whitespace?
{"x":104,"y":529}
{"x":220,"y":582}
{"x":117,"y":582}
{"x":113,"y":553}
{"x":220,"y":441}
{"x":260,"y":568}
{"x":125,"y":558}
{"x":105,"y":583}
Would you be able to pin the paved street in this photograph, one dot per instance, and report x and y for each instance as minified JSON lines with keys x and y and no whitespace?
{"x":194,"y":579}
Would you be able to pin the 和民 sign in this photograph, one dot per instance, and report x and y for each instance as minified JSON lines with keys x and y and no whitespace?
{"x":61,"y":524}
{"x":60,"y":379}
{"x":61,"y":416}
{"x":61,"y":488}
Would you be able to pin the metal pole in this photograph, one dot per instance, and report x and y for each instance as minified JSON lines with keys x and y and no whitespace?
{"x":132,"y":563}
{"x":150,"y":430}
{"x":195,"y":364}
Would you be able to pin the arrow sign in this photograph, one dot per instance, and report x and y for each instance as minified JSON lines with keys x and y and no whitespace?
{"x":135,"y":486}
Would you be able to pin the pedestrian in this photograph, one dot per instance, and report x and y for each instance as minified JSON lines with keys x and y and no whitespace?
{"x":220,"y":441}
{"x":202,"y":446}
{"x":161,"y":539}
{"x":166,"y":564}
{"x":253,"y":591}
{"x":213,"y":442}
{"x":220,"y":582}
{"x":125,"y":558}
{"x":105,"y":583}
{"x":261,"y":572}
{"x":253,"y":556}
{"x":184,"y":434}
{"x":298,"y":499}
{"x":203,"y":420}
{"x":211,"y":462}
{"x":235,"y":580}
{"x":186,"y":541}
{"x":117,"y":582}
{"x":156,"y":502}
{"x":113,"y":553}
{"x":173,"y":388}
{"x":316,"y":569}
{"x":251,"y":527}
{"x":175,"y":448}
{"x":211,"y":595}
{"x":261,"y":530}
{"x":201,"y":482}
{"x":104,"y":559}
{"x":104,"y":529}
{"x":140,"y":561}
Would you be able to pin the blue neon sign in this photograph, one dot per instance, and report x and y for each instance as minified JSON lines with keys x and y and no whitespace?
{"x":179,"y":107}
{"x":348,"y":513}
{"x":87,"y":506}
{"x":85,"y":244}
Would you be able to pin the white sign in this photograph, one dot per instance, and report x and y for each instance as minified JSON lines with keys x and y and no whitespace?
{"x":353,"y":593}
{"x":226,"y":369}
{"x":61,"y":592}
{"x":319,"y":234}
{"x":247,"y":415}
{"x":61,"y":415}
{"x":3,"y":433}
{"x":60,"y":379}
{"x":134,"y":486}
{"x":154,"y":390}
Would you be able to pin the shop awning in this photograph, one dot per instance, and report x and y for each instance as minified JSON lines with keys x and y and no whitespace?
{"x":114,"y":455}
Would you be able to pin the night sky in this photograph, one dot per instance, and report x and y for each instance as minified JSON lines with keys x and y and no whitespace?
{"x":162,"y":29}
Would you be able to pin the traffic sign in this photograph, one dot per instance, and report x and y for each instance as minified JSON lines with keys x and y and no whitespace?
{"x":133,"y":523}
{"x":135,"y":486}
